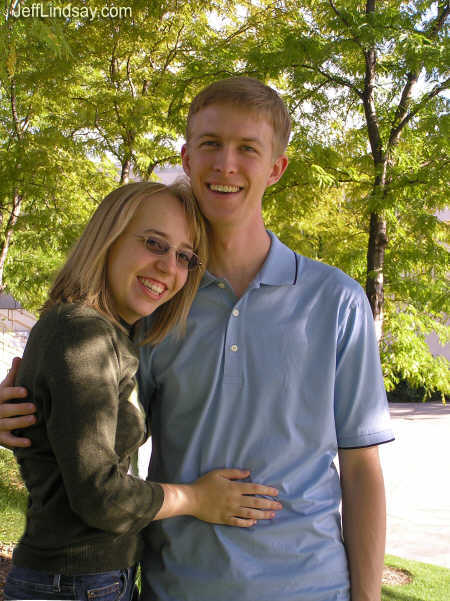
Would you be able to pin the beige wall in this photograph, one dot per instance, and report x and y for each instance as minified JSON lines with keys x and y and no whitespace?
{"x":15,"y":325}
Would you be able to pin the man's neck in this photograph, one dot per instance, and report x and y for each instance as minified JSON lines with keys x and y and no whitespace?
{"x":237,"y":254}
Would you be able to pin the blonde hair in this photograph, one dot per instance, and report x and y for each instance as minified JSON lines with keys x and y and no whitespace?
{"x":249,"y":94}
{"x":83,"y":278}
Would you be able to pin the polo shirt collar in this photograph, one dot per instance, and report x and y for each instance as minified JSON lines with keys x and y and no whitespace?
{"x":279,"y":268}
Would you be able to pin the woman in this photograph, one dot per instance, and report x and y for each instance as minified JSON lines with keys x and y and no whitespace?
{"x":143,"y":251}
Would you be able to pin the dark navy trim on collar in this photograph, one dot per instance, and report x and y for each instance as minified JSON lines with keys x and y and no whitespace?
{"x":279,"y":269}
{"x":280,"y":266}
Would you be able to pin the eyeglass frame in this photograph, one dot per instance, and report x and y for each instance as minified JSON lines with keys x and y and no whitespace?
{"x":166,"y":250}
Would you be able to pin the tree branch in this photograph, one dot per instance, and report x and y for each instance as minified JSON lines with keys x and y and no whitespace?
{"x":92,"y":104}
{"x":113,"y":66}
{"x":373,"y":129}
{"x":346,"y":23}
{"x":396,"y":132}
{"x":9,"y":230}
{"x":15,"y":116}
{"x":402,"y":117}
{"x":405,"y":100}
{"x":443,"y":13}
{"x":130,"y":81}
{"x":173,"y":51}
{"x":154,"y":164}
{"x":337,"y":79}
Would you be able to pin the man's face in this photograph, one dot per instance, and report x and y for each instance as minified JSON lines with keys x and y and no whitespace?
{"x":229,"y":159}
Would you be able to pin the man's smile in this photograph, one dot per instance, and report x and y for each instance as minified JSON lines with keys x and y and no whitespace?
{"x":224,"y":188}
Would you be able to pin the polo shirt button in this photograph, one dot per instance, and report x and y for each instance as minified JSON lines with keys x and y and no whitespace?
{"x":235,"y":312}
{"x":221,"y":285}
{"x":234,"y":347}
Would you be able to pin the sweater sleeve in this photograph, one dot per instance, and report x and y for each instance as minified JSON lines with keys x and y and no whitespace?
{"x":81,"y":412}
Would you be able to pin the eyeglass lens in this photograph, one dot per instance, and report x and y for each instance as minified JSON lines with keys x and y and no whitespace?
{"x":185,"y":258}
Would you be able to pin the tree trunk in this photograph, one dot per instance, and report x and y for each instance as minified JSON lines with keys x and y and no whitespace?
{"x":375,"y":265}
{"x":9,"y":230}
{"x":125,"y":174}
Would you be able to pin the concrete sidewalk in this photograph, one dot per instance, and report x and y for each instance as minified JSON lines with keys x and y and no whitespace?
{"x":417,"y":476}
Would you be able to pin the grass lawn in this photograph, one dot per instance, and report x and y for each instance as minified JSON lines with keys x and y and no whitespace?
{"x":13,"y":499}
{"x":429,"y":582}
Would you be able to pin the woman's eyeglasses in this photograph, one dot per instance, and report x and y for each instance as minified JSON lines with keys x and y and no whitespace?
{"x":186,"y":259}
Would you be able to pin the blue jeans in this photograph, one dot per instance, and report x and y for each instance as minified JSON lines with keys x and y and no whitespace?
{"x":117,"y":585}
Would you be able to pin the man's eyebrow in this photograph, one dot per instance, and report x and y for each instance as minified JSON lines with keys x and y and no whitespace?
{"x":209,"y":135}
{"x":252,"y":140}
{"x":213,"y":135}
{"x":164,"y":235}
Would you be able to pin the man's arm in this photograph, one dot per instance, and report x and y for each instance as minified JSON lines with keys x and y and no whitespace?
{"x":9,"y":412}
{"x":364,"y":520}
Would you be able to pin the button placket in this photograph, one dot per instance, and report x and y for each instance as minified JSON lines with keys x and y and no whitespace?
{"x":233,"y":352}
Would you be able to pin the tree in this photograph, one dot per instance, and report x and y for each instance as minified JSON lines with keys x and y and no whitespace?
{"x":366,"y":82}
{"x":130,"y":94}
{"x":107,"y":95}
{"x":48,"y":186}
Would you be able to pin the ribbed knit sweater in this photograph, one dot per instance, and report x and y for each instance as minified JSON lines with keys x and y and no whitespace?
{"x":84,"y":511}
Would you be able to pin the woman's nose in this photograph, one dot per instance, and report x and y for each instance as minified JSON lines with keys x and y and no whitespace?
{"x":168,"y":261}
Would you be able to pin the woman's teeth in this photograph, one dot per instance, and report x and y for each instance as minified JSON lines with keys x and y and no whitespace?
{"x":152,"y":286}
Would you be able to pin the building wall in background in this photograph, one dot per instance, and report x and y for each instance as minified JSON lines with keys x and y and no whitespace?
{"x":15,"y":325}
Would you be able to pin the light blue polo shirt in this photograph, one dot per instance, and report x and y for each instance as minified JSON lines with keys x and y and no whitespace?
{"x":274,"y":382}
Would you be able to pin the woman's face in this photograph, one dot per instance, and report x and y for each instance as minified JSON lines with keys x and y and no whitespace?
{"x":139,"y":280}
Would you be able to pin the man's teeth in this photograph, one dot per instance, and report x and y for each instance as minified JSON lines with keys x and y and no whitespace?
{"x":219,"y":188}
{"x":156,"y":288}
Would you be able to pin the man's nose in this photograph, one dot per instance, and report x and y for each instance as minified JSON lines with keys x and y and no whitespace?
{"x":225,"y":160}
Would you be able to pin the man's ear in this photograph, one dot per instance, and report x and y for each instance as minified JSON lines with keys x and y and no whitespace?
{"x":185,"y":160}
{"x":279,"y":167}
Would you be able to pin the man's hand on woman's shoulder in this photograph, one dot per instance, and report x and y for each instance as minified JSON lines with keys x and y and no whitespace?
{"x":14,"y":415}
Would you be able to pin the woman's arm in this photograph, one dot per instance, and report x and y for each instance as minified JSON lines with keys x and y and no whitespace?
{"x":216,"y":498}
{"x":81,"y":415}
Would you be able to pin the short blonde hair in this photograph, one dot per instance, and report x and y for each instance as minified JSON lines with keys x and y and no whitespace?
{"x":83,"y":278}
{"x":249,"y":94}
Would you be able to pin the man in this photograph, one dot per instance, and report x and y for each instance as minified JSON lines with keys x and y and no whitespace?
{"x":278,"y":372}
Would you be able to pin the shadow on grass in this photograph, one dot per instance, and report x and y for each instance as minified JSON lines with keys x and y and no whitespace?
{"x":396,"y":594}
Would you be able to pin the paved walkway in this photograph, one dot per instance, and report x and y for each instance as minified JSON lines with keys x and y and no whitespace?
{"x":417,"y":476}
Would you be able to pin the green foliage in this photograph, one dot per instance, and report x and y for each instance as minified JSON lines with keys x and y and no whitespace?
{"x":103,"y":101}
{"x":40,"y":160}
{"x":316,"y":54}
{"x":13,"y":499}
{"x":403,"y":393}
{"x":50,"y":224}
{"x":405,"y":354}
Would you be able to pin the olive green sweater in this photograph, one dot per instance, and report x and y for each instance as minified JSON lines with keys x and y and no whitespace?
{"x":84,"y":510}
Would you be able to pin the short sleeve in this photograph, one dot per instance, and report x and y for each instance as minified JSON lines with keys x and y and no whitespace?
{"x":360,"y":404}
